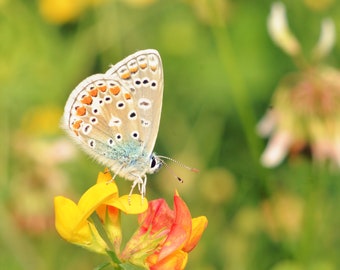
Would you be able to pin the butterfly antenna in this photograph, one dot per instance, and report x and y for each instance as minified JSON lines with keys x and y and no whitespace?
{"x":179,"y":163}
{"x":172,"y":171}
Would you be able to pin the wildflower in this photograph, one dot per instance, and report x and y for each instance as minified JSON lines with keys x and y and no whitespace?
{"x":64,"y":11}
{"x":72,"y":220}
{"x":61,"y":11}
{"x":180,"y":234}
{"x":306,"y":113}
{"x":163,"y":240}
{"x":279,"y":30}
{"x":305,"y":109}
{"x":139,"y":3}
{"x":326,"y":40}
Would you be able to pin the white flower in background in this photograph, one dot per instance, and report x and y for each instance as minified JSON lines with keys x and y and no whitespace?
{"x":279,"y":30}
{"x":326,"y":40}
{"x":305,"y":111}
{"x":305,"y":114}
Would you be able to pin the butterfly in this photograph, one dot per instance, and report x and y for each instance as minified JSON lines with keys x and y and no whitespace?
{"x":115,"y":116}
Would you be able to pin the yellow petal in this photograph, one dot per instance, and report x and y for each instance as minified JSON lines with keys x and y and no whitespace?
{"x":69,"y":221}
{"x":198,"y":226}
{"x":104,"y":177}
{"x":134,"y":205}
{"x":176,"y":260}
{"x":95,"y":196}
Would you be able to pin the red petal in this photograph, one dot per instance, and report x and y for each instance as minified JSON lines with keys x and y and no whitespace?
{"x":180,"y":230}
{"x":158,"y":217}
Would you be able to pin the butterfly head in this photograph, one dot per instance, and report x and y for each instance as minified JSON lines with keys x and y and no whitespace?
{"x":155,"y":164}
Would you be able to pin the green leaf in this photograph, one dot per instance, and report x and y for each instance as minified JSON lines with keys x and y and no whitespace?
{"x":113,"y":256}
{"x":129,"y":266}
{"x":102,"y":266}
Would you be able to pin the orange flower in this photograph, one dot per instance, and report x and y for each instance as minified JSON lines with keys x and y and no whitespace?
{"x":175,"y":231}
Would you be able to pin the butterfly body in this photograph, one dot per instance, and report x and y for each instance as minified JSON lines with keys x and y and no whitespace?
{"x":115,"y":116}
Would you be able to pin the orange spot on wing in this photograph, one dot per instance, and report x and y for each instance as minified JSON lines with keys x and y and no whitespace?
{"x":153,"y":68}
{"x":76,"y":124}
{"x":127,"y":96}
{"x":133,"y":69}
{"x":87,"y":100}
{"x":115,"y":90}
{"x":125,"y":75}
{"x":93,"y":92}
{"x":143,"y":65}
{"x":102,"y":88}
{"x":81,"y":111}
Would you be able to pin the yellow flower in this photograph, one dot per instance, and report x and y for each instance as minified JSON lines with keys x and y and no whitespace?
{"x":61,"y":11}
{"x":138,"y":3}
{"x":64,"y":11}
{"x":73,"y":221}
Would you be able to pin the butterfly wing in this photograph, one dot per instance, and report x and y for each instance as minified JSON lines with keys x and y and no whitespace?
{"x":115,"y":116}
{"x":142,"y":75}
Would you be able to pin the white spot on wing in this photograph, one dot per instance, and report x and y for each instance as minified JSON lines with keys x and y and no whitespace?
{"x":144,"y":103}
{"x":145,"y":123}
{"x":115,"y":122}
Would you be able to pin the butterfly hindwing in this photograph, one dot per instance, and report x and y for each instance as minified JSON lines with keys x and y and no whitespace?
{"x":142,"y":75}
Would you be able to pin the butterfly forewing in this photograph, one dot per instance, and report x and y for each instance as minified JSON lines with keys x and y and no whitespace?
{"x":115,"y":116}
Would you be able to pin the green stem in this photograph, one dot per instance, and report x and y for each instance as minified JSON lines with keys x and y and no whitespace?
{"x":101,"y":230}
{"x":240,"y":96}
{"x":238,"y":89}
{"x":310,"y":243}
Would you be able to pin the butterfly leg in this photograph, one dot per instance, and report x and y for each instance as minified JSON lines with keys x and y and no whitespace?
{"x":115,"y":175}
{"x":143,"y":187}
{"x":138,"y":181}
{"x":135,"y":182}
{"x":141,"y":182}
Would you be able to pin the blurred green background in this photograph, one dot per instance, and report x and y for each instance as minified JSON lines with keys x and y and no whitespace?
{"x":221,"y":69}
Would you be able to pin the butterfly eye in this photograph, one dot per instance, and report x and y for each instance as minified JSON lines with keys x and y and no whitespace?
{"x":155,"y":164}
